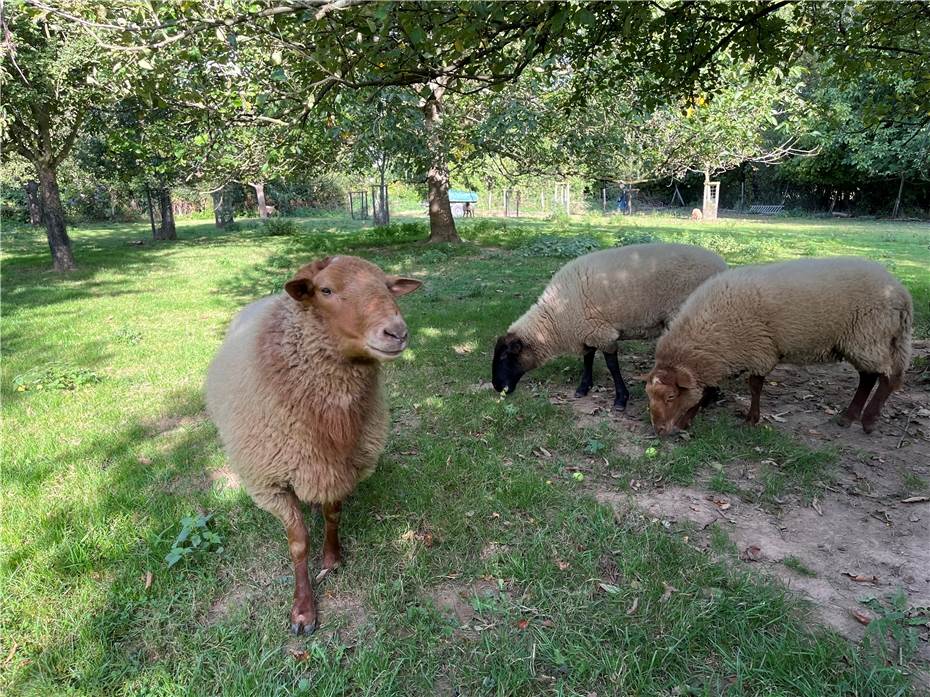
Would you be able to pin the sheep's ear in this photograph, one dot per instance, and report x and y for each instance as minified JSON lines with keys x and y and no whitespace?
{"x":301,"y":289}
{"x":301,"y":286}
{"x":685,"y":379}
{"x":515,"y":345}
{"x":402,"y":286}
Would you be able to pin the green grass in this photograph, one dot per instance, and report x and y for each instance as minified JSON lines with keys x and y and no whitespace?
{"x":99,"y":472}
{"x":798,"y":567}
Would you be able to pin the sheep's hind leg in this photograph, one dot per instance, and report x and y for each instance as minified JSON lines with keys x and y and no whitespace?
{"x":332,"y":552}
{"x":854,"y":410}
{"x":874,"y":408}
{"x":622,"y":394}
{"x":755,"y":391}
{"x":303,"y":612}
{"x":587,"y":377}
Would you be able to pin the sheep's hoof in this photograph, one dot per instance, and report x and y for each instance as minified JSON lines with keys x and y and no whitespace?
{"x":868,"y":425}
{"x":303,"y":617}
{"x":582,"y":392}
{"x":299,"y":628}
{"x":844,"y":420}
{"x":619,"y":405}
{"x":752,"y":419}
{"x":331,"y":562}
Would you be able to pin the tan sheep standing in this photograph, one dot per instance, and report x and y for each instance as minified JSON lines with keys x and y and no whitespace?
{"x":595,"y":301}
{"x":295,"y":394}
{"x":750,"y":319}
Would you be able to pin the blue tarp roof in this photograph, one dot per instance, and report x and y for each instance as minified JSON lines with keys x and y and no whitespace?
{"x":460,"y":196}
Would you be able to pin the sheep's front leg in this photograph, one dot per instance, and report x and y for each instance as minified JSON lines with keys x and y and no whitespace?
{"x":621,"y":393}
{"x":587,"y":377}
{"x":755,"y":390}
{"x":303,"y":612}
{"x":332,"y":553}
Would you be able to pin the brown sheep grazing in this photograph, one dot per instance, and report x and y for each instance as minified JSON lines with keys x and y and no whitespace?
{"x":750,"y":319}
{"x":295,"y":394}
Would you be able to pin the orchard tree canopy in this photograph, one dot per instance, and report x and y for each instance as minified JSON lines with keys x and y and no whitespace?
{"x":612,"y":90}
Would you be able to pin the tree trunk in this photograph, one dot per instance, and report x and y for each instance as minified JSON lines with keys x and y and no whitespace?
{"x":897,"y":203}
{"x":441,"y":223}
{"x":53,"y":215}
{"x":260,"y":196}
{"x":222,"y":209}
{"x":379,"y":198}
{"x":148,"y":197}
{"x":34,"y":203}
{"x":167,"y":231}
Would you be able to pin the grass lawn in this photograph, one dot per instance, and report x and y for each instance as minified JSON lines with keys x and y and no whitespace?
{"x":473,"y":566}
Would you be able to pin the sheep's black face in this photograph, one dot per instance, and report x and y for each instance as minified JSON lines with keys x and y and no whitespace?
{"x":506,"y":369}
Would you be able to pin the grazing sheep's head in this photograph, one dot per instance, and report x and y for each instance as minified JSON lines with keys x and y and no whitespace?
{"x":674,"y":398}
{"x":512,"y":358}
{"x":354,"y":300}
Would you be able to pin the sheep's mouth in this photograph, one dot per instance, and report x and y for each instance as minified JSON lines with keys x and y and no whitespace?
{"x":390,"y":353}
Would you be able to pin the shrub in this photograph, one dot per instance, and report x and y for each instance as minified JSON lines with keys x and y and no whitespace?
{"x":556,"y":246}
{"x":54,"y":376}
{"x":280,"y":226}
{"x":634,"y":236}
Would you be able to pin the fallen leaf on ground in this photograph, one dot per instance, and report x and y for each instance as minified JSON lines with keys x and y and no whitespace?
{"x":9,"y":656}
{"x":609,"y":588}
{"x":563,"y":565}
{"x":633,"y":607}
{"x":523,"y":624}
{"x":751,"y":553}
{"x":148,"y":580}
{"x":720,"y":502}
{"x":915,"y":499}
{"x":815,"y":504}
{"x":320,"y":576}
{"x":299,"y":654}
{"x":861,"y":578}
{"x":668,"y":592}
{"x":541,"y":452}
{"x":861,"y":617}
{"x":144,"y":460}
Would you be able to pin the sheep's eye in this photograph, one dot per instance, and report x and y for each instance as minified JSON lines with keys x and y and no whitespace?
{"x":670,"y":398}
{"x":326,"y":291}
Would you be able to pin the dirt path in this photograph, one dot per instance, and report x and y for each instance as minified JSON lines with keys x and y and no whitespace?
{"x":861,"y":537}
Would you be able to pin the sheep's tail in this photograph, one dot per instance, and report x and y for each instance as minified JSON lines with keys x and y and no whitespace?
{"x":901,"y":343}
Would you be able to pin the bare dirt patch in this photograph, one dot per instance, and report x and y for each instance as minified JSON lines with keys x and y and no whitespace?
{"x":223,"y":478}
{"x":457,"y":601}
{"x":168,"y":424}
{"x":343,"y":615}
{"x":233,"y":599}
{"x":869,"y":520}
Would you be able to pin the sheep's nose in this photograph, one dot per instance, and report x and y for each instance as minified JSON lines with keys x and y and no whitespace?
{"x":396,"y":329}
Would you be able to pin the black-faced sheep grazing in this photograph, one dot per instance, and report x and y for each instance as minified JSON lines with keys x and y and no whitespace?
{"x":295,"y":394}
{"x":748,"y":320}
{"x":595,"y":301}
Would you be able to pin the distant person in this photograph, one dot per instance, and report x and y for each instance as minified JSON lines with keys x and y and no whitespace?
{"x":468,"y":212}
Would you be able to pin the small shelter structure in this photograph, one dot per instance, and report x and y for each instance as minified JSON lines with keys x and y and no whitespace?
{"x":462,"y":202}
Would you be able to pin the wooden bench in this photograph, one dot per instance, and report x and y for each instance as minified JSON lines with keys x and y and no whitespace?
{"x":765,"y":210}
